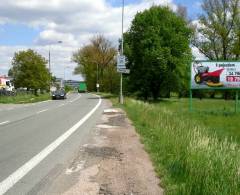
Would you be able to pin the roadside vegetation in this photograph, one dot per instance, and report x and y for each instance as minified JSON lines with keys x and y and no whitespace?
{"x":193,"y":153}
{"x":24,"y":98}
{"x":97,"y":63}
{"x":29,"y":70}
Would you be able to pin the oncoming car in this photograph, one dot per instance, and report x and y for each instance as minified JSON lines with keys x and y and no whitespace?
{"x":59,"y":94}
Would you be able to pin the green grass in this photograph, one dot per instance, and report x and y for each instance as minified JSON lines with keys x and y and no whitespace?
{"x":23,"y":98}
{"x":217,"y":116}
{"x":192,"y":152}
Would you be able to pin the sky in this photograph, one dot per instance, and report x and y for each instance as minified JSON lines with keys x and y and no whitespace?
{"x":41,"y":24}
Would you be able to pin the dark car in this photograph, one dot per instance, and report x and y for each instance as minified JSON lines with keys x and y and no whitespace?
{"x":59,"y":94}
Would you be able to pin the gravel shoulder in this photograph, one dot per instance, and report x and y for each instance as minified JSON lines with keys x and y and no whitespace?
{"x":113,"y":162}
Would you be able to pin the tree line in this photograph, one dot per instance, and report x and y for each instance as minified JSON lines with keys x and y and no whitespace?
{"x":158,"y":50}
{"x":97,"y":63}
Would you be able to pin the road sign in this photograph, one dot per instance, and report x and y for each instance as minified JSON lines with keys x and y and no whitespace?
{"x":121,"y":62}
{"x":124,"y":71}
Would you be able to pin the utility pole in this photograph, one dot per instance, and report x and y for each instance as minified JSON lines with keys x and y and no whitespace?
{"x":49,"y":65}
{"x":97,"y":85}
{"x":121,"y":80}
{"x":64,"y":74}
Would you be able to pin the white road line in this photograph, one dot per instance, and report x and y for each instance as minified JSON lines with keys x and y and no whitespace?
{"x":75,"y":99}
{"x":12,"y":179}
{"x":42,"y":102}
{"x":61,"y":105}
{"x":5,"y":122}
{"x":42,"y":111}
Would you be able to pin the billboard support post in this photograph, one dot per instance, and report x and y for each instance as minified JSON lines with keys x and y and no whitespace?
{"x":190,"y":101}
{"x":236,"y":102}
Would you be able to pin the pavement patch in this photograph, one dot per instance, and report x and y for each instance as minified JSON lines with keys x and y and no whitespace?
{"x":104,"y":126}
{"x":75,"y":168}
{"x":110,"y":111}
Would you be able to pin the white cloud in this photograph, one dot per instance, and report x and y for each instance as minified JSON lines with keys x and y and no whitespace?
{"x":75,"y":17}
{"x":47,"y":37}
{"x":71,"y":21}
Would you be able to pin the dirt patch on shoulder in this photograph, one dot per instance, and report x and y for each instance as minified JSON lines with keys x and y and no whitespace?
{"x":133,"y":173}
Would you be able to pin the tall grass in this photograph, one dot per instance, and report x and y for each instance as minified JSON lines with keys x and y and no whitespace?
{"x":188,"y":158}
{"x":24,"y":98}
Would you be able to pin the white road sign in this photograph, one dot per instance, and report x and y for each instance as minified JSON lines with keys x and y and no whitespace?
{"x":121,"y":62}
{"x":124,"y":71}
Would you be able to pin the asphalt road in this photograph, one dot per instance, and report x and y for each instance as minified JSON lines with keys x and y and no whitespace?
{"x":37,"y":139}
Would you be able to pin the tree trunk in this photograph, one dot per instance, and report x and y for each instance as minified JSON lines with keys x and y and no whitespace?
{"x":168,"y":94}
{"x":145,"y":97}
{"x":212,"y":95}
{"x":35,"y":92}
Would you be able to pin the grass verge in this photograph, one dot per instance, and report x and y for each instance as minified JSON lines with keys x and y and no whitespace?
{"x":23,"y":98}
{"x":189,"y":156}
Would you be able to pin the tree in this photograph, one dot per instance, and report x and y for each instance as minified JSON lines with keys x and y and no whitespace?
{"x":29,"y":71}
{"x":218,"y":35}
{"x":158,"y":51}
{"x":99,"y":54}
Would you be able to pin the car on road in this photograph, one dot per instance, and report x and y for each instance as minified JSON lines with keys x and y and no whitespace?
{"x":59,"y":94}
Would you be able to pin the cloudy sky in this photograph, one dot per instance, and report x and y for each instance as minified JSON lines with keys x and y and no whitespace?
{"x":40,"y":24}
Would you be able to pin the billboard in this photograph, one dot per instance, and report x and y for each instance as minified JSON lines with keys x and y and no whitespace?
{"x":215,"y":74}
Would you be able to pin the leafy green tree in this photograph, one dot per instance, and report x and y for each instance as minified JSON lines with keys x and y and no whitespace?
{"x":29,"y":71}
{"x":97,"y":59}
{"x":158,"y":50}
{"x":236,"y":45}
{"x":218,"y":35}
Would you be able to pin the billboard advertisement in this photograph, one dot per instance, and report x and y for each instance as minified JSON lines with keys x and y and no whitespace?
{"x":215,"y":74}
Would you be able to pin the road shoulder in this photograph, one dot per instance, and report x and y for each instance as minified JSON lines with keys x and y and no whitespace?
{"x":114,"y":162}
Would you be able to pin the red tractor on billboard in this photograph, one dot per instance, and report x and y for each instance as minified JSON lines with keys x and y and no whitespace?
{"x":203,"y":76}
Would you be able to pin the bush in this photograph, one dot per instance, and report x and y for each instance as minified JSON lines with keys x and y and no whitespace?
{"x":68,"y":88}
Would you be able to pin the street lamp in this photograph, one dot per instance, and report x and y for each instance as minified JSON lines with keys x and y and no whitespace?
{"x":49,"y":64}
{"x":64,"y":76}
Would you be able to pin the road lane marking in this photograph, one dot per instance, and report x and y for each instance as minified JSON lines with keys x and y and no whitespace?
{"x":44,"y":101}
{"x":61,"y":105}
{"x":75,"y":99}
{"x":5,"y":122}
{"x":42,"y":111}
{"x":36,"y":103}
{"x":12,"y":179}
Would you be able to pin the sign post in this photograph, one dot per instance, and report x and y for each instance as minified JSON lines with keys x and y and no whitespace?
{"x":236,"y":102}
{"x":215,"y":75}
{"x":121,"y":91}
{"x":190,"y":101}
